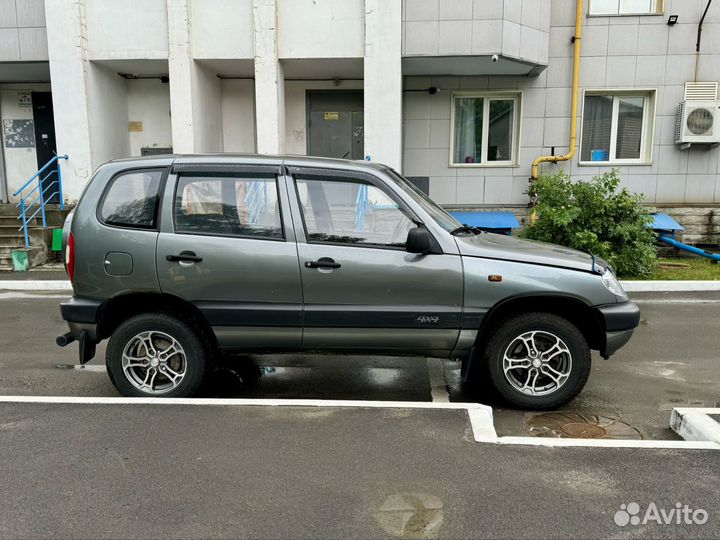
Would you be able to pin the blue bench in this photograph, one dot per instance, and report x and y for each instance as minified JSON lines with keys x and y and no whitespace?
{"x":497,"y":222}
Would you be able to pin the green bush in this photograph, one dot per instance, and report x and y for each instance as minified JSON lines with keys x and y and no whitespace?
{"x":597,"y":217}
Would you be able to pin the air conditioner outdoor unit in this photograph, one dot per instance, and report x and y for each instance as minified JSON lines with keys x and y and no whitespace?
{"x":698,"y":122}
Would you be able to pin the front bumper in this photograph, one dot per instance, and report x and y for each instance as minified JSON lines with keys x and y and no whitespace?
{"x":81,"y":314}
{"x":619,"y":320}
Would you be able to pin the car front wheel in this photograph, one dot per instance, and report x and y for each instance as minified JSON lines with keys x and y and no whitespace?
{"x":537,"y":361}
{"x":156,"y":355}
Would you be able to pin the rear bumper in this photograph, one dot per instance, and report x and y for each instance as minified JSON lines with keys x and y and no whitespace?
{"x":80,"y":310}
{"x":81,"y":314}
{"x":620,"y":320}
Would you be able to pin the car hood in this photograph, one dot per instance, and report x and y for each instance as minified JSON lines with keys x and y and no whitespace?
{"x":509,"y":248}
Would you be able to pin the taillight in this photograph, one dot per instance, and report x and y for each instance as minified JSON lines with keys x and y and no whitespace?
{"x":70,"y":256}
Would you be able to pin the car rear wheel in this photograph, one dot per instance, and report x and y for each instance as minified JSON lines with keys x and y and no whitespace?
{"x":156,"y":355}
{"x":537,"y":361}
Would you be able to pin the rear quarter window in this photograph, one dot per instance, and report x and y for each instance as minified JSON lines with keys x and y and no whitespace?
{"x":131,"y":199}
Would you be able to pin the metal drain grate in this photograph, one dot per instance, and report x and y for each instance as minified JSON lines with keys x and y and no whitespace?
{"x":568,"y":425}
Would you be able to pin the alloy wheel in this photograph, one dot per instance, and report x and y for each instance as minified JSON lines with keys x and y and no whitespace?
{"x":154,"y":362}
{"x":537,"y":363}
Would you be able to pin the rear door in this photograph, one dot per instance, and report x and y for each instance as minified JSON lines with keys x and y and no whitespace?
{"x":227,"y":245}
{"x":362,"y":289}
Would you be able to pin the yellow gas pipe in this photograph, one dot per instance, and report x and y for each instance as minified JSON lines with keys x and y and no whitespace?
{"x":573,"y":102}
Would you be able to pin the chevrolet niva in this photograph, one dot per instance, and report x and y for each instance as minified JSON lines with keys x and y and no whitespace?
{"x":176,"y":259}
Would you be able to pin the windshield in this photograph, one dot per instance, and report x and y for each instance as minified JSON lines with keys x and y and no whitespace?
{"x":441,"y":217}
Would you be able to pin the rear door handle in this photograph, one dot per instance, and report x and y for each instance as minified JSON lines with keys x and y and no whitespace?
{"x":323,"y":262}
{"x":185,"y":256}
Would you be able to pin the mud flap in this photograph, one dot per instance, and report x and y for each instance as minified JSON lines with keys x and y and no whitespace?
{"x":86,"y":348}
{"x":468,"y":368}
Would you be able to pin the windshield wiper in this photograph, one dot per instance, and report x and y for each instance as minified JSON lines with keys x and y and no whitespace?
{"x":465,"y":229}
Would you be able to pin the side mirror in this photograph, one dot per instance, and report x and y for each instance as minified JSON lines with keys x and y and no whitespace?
{"x":419,"y":240}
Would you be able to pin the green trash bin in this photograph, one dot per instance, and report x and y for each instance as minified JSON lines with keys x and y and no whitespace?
{"x":56,"y":240}
{"x":56,"y":247}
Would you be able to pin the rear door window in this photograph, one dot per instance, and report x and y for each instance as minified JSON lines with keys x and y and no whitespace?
{"x":131,"y":199}
{"x":228,"y":206}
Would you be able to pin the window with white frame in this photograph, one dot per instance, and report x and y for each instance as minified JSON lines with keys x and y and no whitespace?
{"x":617,"y":127}
{"x":484,"y":129}
{"x":625,"y":7}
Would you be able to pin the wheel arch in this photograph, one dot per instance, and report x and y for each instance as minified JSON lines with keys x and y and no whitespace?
{"x":123,"y":306}
{"x":575,"y":310}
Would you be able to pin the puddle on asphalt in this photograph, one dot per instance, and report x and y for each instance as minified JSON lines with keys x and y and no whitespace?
{"x":97,"y":368}
{"x":411,"y":515}
{"x":562,"y":425}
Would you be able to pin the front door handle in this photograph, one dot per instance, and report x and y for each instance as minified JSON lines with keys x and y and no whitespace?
{"x":185,"y":256}
{"x":322,"y":262}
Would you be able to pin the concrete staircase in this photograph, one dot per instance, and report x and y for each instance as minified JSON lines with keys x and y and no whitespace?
{"x":12,"y":237}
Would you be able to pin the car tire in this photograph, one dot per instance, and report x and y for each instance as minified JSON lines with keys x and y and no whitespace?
{"x":537,"y":361}
{"x":157,"y":355}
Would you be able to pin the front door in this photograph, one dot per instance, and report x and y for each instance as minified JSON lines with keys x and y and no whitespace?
{"x":226,"y":245}
{"x":361,"y":289}
{"x":45,"y":147}
{"x":336,"y":124}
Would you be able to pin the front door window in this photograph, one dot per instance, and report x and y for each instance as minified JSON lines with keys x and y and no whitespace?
{"x":351,"y":212}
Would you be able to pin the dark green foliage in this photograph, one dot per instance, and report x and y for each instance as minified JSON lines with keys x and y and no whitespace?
{"x":597,"y":217}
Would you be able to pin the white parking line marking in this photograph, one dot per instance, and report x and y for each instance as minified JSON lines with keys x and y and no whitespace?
{"x":480,"y":416}
{"x":438,"y":385}
{"x":676,"y":301}
{"x":483,"y":427}
{"x":674,"y":285}
{"x":608,"y":443}
{"x":273,"y":402}
{"x":17,"y":295}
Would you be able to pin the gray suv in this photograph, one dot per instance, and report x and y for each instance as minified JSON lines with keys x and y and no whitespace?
{"x":178,"y":258}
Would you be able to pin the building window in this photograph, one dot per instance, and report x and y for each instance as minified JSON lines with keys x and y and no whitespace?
{"x":484,"y":129}
{"x":626,"y":7}
{"x":617,"y":128}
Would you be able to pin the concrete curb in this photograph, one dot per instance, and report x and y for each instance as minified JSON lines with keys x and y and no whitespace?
{"x":629,"y":286}
{"x":695,"y":424}
{"x":670,"y":286}
{"x":35,"y":285}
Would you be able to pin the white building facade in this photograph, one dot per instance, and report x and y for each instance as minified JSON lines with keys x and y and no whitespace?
{"x":460,"y":95}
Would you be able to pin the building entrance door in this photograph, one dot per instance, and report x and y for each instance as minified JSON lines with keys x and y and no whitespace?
{"x":336,"y":124}
{"x":45,"y":146}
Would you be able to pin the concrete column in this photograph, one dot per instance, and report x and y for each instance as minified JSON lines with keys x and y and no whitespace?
{"x":383,"y":81}
{"x":67,"y":45}
{"x":180,"y":66}
{"x":269,"y":80}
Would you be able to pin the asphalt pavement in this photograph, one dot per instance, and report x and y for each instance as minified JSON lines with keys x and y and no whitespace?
{"x":671,"y":361}
{"x":150,"y":471}
{"x":158,"y":471}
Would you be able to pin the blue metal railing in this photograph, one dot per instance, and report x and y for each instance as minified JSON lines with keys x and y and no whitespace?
{"x":45,"y":192}
{"x":361,"y":207}
{"x":256,"y":201}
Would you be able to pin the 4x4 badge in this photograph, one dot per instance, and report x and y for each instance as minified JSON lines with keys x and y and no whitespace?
{"x":428,"y":319}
